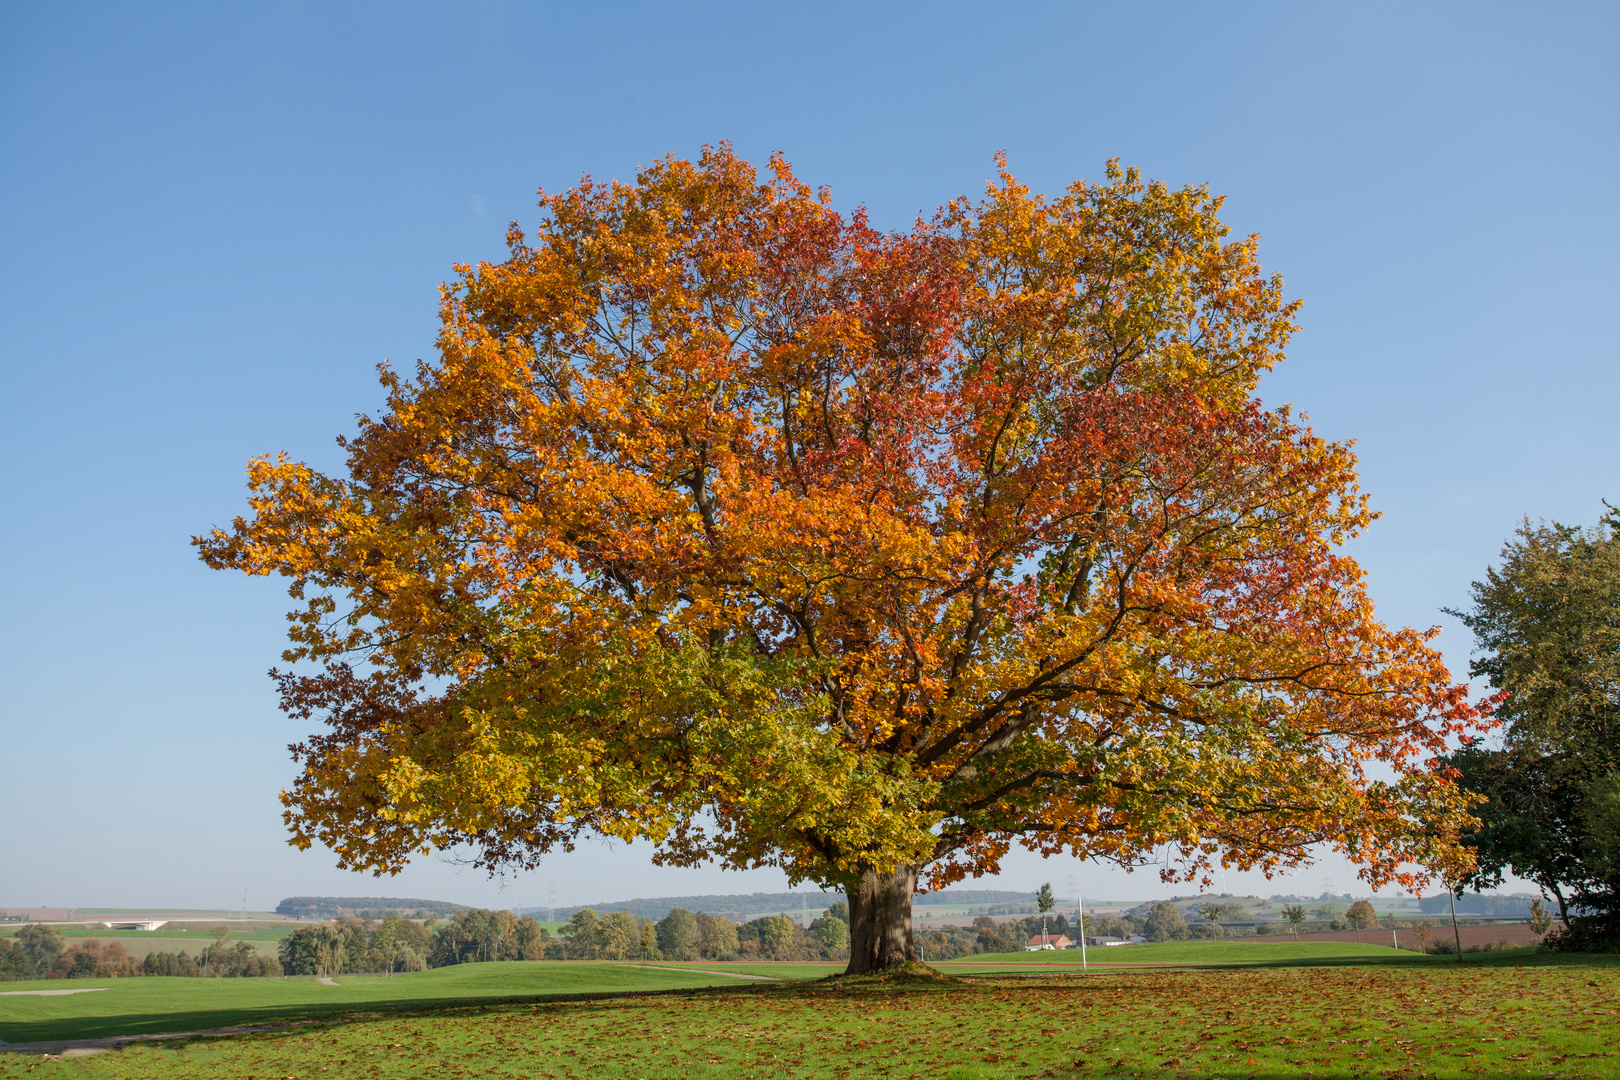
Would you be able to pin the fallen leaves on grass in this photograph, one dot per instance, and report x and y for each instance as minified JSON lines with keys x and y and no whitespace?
{"x":1276,"y":1023}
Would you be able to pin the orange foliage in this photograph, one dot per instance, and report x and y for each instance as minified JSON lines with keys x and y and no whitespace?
{"x":726,"y":521}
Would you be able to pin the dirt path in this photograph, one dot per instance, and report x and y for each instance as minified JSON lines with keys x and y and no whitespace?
{"x":701,"y":971}
{"x":67,"y":1048}
{"x":326,"y":981}
{"x":52,"y":993}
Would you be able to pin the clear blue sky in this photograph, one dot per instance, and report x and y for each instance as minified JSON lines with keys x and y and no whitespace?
{"x":219,"y":217}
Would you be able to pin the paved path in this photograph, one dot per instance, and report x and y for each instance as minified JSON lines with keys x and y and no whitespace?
{"x":701,"y":971}
{"x":53,"y":993}
{"x":325,"y":981}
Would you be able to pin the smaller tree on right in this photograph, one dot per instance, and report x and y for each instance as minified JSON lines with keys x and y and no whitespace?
{"x":1546,"y":623}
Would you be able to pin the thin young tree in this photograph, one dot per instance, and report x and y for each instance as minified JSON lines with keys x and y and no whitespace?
{"x":1045,"y":900}
{"x":726,"y":521}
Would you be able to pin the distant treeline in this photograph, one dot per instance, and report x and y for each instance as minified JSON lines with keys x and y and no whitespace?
{"x":744,"y":907}
{"x":1500,"y":907}
{"x":686,"y":935}
{"x":366,"y":907}
{"x":396,"y":944}
{"x":352,"y":946}
{"x":40,"y":952}
{"x":732,"y":907}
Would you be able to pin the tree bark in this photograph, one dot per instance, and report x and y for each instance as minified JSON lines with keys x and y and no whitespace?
{"x":880,"y":921}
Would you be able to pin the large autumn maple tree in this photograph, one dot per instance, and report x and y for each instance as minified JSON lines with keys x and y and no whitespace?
{"x":727,"y":521}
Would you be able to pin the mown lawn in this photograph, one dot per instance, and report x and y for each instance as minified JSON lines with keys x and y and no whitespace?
{"x":142,"y":1006}
{"x":1397,"y":1020}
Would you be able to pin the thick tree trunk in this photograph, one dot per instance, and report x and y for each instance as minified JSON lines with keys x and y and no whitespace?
{"x":880,"y":921}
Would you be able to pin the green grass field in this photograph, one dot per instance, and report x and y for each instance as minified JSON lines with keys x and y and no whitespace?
{"x":146,"y":1005}
{"x":1242,"y":952}
{"x":1283,"y":1011}
{"x":1444,"y":1022}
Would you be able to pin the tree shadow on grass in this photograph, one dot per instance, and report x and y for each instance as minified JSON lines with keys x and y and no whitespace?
{"x":16,"y":1035}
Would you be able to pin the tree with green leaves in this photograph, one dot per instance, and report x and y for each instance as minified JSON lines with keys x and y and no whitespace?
{"x":1294,"y":914}
{"x":1046,"y":901}
{"x":832,"y":933}
{"x":42,"y":945}
{"x":1546,"y":624}
{"x":678,"y":935}
{"x":14,"y":962}
{"x":775,"y":935}
{"x":621,"y":936}
{"x":584,"y":933}
{"x":1165,"y":922}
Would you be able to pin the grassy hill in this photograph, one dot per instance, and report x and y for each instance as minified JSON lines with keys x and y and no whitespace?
{"x":329,"y":907}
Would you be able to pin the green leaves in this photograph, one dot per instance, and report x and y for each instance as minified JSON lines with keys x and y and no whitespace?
{"x":1547,"y":626}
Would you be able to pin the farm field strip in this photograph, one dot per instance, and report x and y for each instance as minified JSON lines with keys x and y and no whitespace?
{"x":1439,"y":1022}
{"x":139,"y":948}
{"x":164,"y":933}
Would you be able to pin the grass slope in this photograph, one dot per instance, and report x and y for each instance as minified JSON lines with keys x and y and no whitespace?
{"x":784,"y":970}
{"x":144,"y":1006}
{"x":1443,"y":1022}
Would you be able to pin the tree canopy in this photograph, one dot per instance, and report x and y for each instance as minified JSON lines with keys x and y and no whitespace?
{"x":1547,"y":627}
{"x":727,"y":521}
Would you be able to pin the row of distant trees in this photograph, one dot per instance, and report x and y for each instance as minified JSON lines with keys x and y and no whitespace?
{"x":41,"y":952}
{"x":688,"y":935}
{"x":397,"y":944}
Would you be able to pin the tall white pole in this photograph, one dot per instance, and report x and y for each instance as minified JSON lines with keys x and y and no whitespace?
{"x":1080,"y":917}
{"x":1080,"y":910}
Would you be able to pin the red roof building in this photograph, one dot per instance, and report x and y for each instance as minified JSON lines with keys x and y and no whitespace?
{"x":1048,"y":941}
